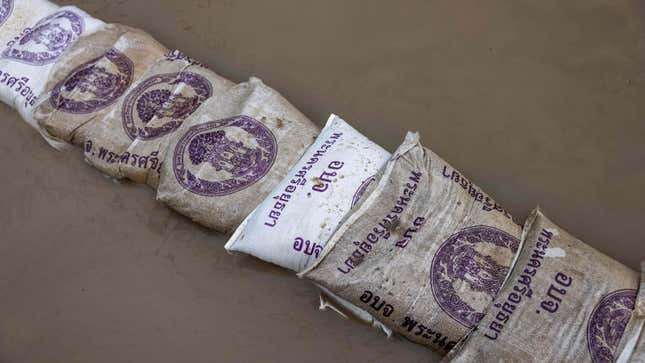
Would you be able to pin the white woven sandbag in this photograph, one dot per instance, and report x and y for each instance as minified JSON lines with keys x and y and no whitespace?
{"x":28,"y":59}
{"x":228,"y":156}
{"x":170,"y":91}
{"x":424,"y":252}
{"x":16,"y":15}
{"x":291,"y":226}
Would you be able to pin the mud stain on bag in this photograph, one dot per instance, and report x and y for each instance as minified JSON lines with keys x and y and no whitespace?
{"x":229,"y":155}
{"x":572,"y":307}
{"x":425,"y":252}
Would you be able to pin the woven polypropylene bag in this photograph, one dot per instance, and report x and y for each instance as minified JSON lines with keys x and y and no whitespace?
{"x":228,"y":156}
{"x":424,"y":253}
{"x":563,"y":302}
{"x":291,"y":226}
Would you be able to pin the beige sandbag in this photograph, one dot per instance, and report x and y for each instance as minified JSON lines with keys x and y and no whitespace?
{"x":424,"y":253}
{"x":227,"y":157}
{"x":563,"y":302}
{"x":632,"y":345}
{"x":170,"y":91}
{"x":29,"y":57}
{"x":84,"y":82}
{"x":18,"y":15}
{"x":103,"y":138}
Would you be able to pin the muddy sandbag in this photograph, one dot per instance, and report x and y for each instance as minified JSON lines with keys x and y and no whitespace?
{"x":229,"y":155}
{"x":170,"y":91}
{"x":103,"y":137}
{"x":632,"y":345}
{"x":292,"y":225}
{"x":16,"y":15}
{"x":28,"y":59}
{"x":424,"y":253}
{"x":563,"y":302}
{"x":83,"y":84}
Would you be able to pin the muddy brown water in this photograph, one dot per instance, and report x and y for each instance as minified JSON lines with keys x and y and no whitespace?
{"x":534,"y":102}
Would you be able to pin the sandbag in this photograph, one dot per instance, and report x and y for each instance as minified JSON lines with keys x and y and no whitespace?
{"x":632,"y":345}
{"x":16,"y":15}
{"x":170,"y":91}
{"x":103,"y":137}
{"x":424,"y":252}
{"x":229,"y":155}
{"x":89,"y":78}
{"x":292,"y":225}
{"x":563,"y":302}
{"x":28,"y":59}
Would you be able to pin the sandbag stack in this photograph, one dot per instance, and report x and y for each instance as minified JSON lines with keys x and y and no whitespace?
{"x":402,"y":241}
{"x":148,"y":114}
{"x":563,"y":302}
{"x":425,"y":252}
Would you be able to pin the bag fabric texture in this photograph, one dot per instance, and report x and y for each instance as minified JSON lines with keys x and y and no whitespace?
{"x":424,"y":252}
{"x":17,"y":15}
{"x":563,"y":302}
{"x":29,"y":57}
{"x":230,"y":154}
{"x":84,"y":83}
{"x":291,"y":226}
{"x":103,"y":137}
{"x":170,"y":91}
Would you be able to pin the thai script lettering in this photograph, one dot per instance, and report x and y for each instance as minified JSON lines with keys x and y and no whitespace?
{"x":150,"y":161}
{"x":305,"y":246}
{"x":298,"y":179}
{"x":323,"y":181}
{"x":420,"y":330}
{"x":176,"y":54}
{"x":488,"y":204}
{"x":384,"y":228}
{"x":521,"y":288}
{"x":555,"y":293}
{"x":20,"y":86}
{"x":407,"y":235}
{"x":376,"y":303}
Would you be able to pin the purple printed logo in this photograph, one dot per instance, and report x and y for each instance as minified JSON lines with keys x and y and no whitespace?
{"x":47,"y":40}
{"x":361,"y":190}
{"x":6,"y":8}
{"x":167,"y":99}
{"x":94,"y":85}
{"x":607,"y":324}
{"x":461,"y":268}
{"x":222,"y":157}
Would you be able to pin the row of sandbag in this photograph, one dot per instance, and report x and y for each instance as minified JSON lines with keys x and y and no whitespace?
{"x":425,"y":253}
{"x":404,"y":241}
{"x":212,"y":149}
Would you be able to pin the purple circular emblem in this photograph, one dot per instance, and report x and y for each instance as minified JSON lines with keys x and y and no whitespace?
{"x":237,"y":152}
{"x":6,"y":8}
{"x":459,"y":266}
{"x":361,"y":190}
{"x":607,"y":324}
{"x":47,"y":40}
{"x":168,"y":99}
{"x":94,"y":85}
